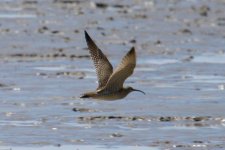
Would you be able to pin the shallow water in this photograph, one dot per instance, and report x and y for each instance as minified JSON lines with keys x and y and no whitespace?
{"x":72,"y":147}
{"x":45,"y":67}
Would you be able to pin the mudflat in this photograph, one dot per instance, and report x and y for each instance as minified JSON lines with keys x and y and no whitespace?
{"x":45,"y":66}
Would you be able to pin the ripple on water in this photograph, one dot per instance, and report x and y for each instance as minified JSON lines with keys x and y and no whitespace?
{"x":56,"y":68}
{"x":24,"y":123}
{"x":86,"y":147}
{"x":210,"y":58}
{"x":208,"y":78}
{"x":159,"y":61}
{"x":13,"y":16}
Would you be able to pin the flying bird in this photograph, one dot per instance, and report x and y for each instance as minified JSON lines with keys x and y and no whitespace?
{"x":110,"y":83}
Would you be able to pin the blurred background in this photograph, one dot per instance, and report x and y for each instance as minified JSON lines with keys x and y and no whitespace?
{"x":45,"y":66}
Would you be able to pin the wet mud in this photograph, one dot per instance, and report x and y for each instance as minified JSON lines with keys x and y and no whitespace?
{"x":45,"y":67}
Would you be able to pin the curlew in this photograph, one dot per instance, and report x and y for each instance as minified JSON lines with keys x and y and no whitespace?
{"x":110,"y":83}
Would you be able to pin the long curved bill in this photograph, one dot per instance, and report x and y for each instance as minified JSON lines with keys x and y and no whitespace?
{"x":139,"y":91}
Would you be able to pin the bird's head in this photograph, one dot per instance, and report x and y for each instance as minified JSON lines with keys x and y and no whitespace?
{"x":130,"y":89}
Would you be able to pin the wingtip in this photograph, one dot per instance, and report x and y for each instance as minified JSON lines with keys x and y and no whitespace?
{"x":86,"y":35}
{"x":88,"y":38}
{"x":132,"y":50}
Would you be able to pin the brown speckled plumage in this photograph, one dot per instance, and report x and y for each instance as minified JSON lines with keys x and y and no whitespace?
{"x":110,"y":84}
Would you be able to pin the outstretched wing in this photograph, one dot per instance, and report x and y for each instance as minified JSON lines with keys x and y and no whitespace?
{"x":122,"y":72}
{"x":102,"y":65}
